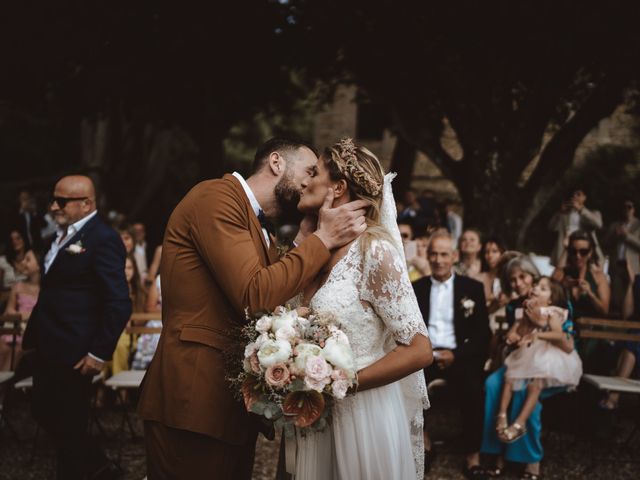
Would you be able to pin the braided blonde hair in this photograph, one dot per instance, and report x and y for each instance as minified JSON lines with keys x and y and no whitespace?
{"x":362,"y":171}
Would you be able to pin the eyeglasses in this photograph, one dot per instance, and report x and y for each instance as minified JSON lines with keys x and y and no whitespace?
{"x":583,"y":252}
{"x":62,"y":201}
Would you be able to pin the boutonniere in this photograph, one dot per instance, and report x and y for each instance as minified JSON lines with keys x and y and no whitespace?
{"x":75,"y":248}
{"x":467,"y":306}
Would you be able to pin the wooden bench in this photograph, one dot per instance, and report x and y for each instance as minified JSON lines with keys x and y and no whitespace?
{"x":611,"y":330}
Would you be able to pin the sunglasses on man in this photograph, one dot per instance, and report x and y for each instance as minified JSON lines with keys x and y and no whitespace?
{"x":583,"y":252}
{"x":62,"y":201}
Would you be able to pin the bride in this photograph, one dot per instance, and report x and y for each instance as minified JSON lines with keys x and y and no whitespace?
{"x":376,"y":433}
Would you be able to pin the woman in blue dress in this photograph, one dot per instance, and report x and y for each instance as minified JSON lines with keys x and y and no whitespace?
{"x":528,"y":449}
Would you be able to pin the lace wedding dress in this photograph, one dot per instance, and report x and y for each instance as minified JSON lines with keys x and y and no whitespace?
{"x":376,"y":433}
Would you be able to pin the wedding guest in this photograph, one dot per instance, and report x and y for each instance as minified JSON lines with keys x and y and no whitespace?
{"x":419,"y":264}
{"x":415,"y":250}
{"x":126,"y":342}
{"x":412,"y":207}
{"x":520,"y":274}
{"x":148,"y":342}
{"x":28,"y":221}
{"x":22,"y":299}
{"x":589,"y":293}
{"x":622,"y":244}
{"x":428,"y":204}
{"x":527,"y":449}
{"x":470,"y":263}
{"x":18,"y":248}
{"x":517,"y":277}
{"x":139,"y":233}
{"x":583,"y":278}
{"x":154,"y":268}
{"x":454,"y":221}
{"x":82,"y":308}
{"x":537,"y":362}
{"x":126,"y":235}
{"x":7,"y":274}
{"x":491,"y":254}
{"x":573,"y":215}
{"x":454,"y":309}
{"x":406,"y":231}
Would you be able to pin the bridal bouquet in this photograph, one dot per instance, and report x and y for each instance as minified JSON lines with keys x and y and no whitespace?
{"x":295,"y":363}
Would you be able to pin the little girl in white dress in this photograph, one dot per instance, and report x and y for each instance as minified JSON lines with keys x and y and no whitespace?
{"x":544,"y":358}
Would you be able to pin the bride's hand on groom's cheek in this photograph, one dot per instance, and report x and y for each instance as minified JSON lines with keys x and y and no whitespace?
{"x":340,"y":225}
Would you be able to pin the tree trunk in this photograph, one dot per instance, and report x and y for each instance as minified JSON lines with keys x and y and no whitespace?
{"x":402,"y":162}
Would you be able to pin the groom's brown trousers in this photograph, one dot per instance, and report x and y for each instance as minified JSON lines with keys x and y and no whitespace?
{"x":179,"y":454}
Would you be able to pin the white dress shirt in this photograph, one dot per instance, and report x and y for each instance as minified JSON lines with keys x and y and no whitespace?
{"x":140,"y":254}
{"x":60,"y":242}
{"x":254,"y":203}
{"x":441,"y":329}
{"x":574,"y":222}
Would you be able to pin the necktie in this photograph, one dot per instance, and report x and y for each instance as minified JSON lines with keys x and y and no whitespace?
{"x":266,"y":224}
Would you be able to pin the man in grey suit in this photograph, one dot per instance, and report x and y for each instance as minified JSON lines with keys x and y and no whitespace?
{"x":622,"y":244}
{"x":573,"y":215}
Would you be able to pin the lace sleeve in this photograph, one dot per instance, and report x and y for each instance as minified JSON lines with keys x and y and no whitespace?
{"x":387,"y":288}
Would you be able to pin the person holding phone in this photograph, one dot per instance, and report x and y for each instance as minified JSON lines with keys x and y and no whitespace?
{"x":583,"y":278}
{"x":574,"y":215}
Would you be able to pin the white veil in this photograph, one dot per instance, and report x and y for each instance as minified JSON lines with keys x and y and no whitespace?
{"x":414,"y":389}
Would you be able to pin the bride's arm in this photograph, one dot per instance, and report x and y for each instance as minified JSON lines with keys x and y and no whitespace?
{"x":398,"y":363}
{"x":387,"y":289}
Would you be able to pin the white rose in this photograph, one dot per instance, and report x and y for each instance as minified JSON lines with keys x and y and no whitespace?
{"x":261,"y":339}
{"x":274,"y":351}
{"x":287,"y":319}
{"x":339,"y":335}
{"x":263,"y":324}
{"x":303,"y":351}
{"x":286,"y":333}
{"x":468,"y":303}
{"x":339,"y":355}
{"x":249,"y":349}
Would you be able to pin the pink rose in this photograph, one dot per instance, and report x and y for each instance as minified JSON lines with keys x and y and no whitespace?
{"x":277,"y":375}
{"x":339,"y":388}
{"x":317,"y":385}
{"x":317,"y":372}
{"x":255,"y":363}
{"x":339,"y":375}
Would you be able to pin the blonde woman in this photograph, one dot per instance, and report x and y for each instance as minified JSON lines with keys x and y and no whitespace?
{"x":376,"y":433}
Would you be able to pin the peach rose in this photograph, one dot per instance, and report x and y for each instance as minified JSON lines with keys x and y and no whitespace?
{"x":277,"y":375}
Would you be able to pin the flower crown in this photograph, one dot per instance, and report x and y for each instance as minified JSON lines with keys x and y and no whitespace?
{"x":344,"y":156}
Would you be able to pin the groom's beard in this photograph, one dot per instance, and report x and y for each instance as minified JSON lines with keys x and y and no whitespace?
{"x":288,"y":197}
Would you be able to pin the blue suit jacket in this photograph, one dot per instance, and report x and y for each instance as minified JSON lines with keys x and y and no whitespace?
{"x":84,"y":299}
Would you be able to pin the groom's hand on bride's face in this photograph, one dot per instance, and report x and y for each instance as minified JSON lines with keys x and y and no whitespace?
{"x":340,"y":225}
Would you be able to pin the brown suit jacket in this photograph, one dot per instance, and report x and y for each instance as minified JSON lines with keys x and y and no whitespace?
{"x":215,"y":264}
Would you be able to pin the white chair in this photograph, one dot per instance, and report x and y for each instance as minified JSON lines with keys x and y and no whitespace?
{"x":10,"y":324}
{"x":123,"y":382}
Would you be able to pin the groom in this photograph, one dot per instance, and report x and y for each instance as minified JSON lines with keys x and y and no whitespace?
{"x":219,"y":258}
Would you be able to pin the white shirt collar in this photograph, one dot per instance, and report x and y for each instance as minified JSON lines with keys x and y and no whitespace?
{"x":448,"y":283}
{"x":247,"y":189}
{"x":75,"y":227}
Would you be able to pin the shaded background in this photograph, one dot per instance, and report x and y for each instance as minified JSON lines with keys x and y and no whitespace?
{"x":502,"y":105}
